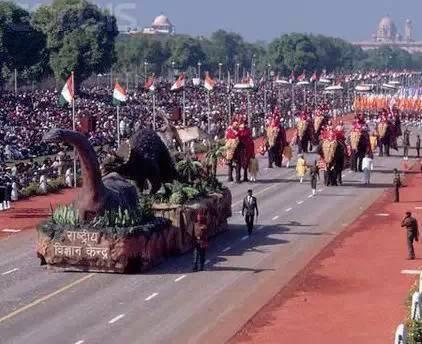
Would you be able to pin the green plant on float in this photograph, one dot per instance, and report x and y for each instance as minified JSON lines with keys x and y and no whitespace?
{"x":212,"y":157}
{"x":414,"y":328}
{"x":190,"y":170}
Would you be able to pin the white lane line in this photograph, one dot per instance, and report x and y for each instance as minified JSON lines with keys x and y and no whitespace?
{"x":260,"y":227}
{"x":310,"y":196}
{"x":350,"y":171}
{"x":418,"y":208}
{"x":178,"y":279}
{"x":382,"y":215}
{"x":9,"y":272}
{"x":120,"y":316}
{"x":8,"y":230}
{"x":207,"y":261}
{"x":227,"y":249}
{"x":411,"y":272}
{"x":244,"y":237}
{"x":299,"y":202}
{"x":288,"y":209}
{"x":320,"y":190}
{"x":80,"y":342}
{"x":151,"y":296}
{"x":275,"y":218}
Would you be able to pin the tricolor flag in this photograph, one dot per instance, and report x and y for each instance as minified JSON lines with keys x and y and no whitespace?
{"x":302,"y":77}
{"x":119,"y":94}
{"x":292,"y":77}
{"x":150,"y":84}
{"x":209,"y":83}
{"x":68,"y":92}
{"x":180,"y":83}
{"x":314,"y":77}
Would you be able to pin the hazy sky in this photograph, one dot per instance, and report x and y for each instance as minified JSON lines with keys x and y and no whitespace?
{"x":266,"y":19}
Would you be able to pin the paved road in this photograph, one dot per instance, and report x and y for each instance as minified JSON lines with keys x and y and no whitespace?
{"x":170,"y":304}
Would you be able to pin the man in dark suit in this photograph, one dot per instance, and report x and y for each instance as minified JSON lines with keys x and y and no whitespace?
{"x":249,"y":210}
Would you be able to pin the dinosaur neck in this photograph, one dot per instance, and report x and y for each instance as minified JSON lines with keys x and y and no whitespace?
{"x":92,"y":181}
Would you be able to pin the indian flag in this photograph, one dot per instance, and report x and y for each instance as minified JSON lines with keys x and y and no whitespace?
{"x":68,"y":92}
{"x":119,"y":94}
{"x":209,"y":83}
{"x":180,"y":83}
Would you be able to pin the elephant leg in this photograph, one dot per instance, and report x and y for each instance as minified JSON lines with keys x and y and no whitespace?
{"x":387,"y":149}
{"x":381,"y":148}
{"x":353,"y":163}
{"x":339,"y":177}
{"x":230,"y":171}
{"x":237,"y":171}
{"x":245,"y":175}
{"x":270,"y":158}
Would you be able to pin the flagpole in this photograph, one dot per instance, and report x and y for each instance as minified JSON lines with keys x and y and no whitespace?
{"x":16,"y":81}
{"x":209,"y":113}
{"x":154,"y":116}
{"x":315,"y":93}
{"x":184,"y":106}
{"x":75,"y":179}
{"x":118,"y":125}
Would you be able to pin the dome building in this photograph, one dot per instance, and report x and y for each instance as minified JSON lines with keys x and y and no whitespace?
{"x":160,"y":26}
{"x":387,"y":34}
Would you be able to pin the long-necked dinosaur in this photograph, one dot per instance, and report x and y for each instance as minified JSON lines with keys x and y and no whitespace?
{"x":97,"y":194}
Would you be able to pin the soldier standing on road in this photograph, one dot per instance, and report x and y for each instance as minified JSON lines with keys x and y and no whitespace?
{"x":200,"y":241}
{"x":406,"y":144}
{"x":249,"y":210}
{"x":397,"y":185}
{"x":411,"y":225}
{"x":418,"y":146}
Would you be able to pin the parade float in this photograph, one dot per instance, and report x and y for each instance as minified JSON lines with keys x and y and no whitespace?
{"x":115,"y":226}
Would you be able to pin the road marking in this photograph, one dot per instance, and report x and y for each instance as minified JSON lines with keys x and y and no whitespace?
{"x":288,"y":209}
{"x":310,"y":196}
{"x":350,"y":172}
{"x":275,"y":218}
{"x":9,"y":272}
{"x":207,"y":261}
{"x":260,"y":227}
{"x":8,"y":230}
{"x":256,"y":194}
{"x":418,"y":208}
{"x":80,"y":342}
{"x":382,"y":215}
{"x":115,"y":319}
{"x":151,"y":296}
{"x":411,"y":272}
{"x":45,"y":298}
{"x":178,"y":279}
{"x":227,"y":249}
{"x":320,"y":190}
{"x":299,"y":202}
{"x":244,"y":237}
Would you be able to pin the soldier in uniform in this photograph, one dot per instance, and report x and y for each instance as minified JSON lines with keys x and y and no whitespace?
{"x":412,"y":233}
{"x":406,"y":144}
{"x":418,"y":146}
{"x":397,"y":185}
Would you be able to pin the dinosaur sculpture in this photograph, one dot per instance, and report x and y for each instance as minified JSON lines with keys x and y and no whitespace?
{"x":143,"y":157}
{"x":98,"y":194}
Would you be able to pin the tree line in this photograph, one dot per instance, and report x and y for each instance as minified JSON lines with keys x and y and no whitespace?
{"x":76,"y":35}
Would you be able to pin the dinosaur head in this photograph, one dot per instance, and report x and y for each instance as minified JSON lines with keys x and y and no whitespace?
{"x":54,"y":135}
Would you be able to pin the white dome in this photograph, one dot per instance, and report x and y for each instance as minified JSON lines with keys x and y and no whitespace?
{"x":387,"y":23}
{"x":161,"y":20}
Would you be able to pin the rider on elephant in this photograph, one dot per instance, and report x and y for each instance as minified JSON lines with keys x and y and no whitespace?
{"x":304,"y":133}
{"x":319,"y":122}
{"x":276,"y":141}
{"x":386,"y":135}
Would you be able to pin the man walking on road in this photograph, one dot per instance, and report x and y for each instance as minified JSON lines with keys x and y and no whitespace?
{"x":411,"y":225}
{"x":367,"y":166}
{"x":249,"y":210}
{"x":200,"y":242}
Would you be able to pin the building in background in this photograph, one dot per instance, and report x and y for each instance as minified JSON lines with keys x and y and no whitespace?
{"x":387,"y":34}
{"x":161,"y":26}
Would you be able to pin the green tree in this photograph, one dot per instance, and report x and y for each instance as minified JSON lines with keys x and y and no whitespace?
{"x":80,"y":37}
{"x":185,"y":52}
{"x":21,"y":46}
{"x":293,"y":51}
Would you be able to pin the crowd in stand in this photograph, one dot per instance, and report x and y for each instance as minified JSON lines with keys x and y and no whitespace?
{"x":26,"y":116}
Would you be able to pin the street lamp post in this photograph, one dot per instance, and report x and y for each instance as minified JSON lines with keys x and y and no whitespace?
{"x":237,"y":73}
{"x":173,"y":73}
{"x":145,"y":70}
{"x":199,"y":70}
{"x":220,"y":65}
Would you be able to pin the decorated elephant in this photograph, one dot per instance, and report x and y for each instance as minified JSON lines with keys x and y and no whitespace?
{"x":240,"y":150}
{"x":332,"y":149}
{"x":360,"y":146}
{"x":386,"y":137}
{"x":305,"y":133}
{"x":275,"y":141}
{"x":319,"y":122}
